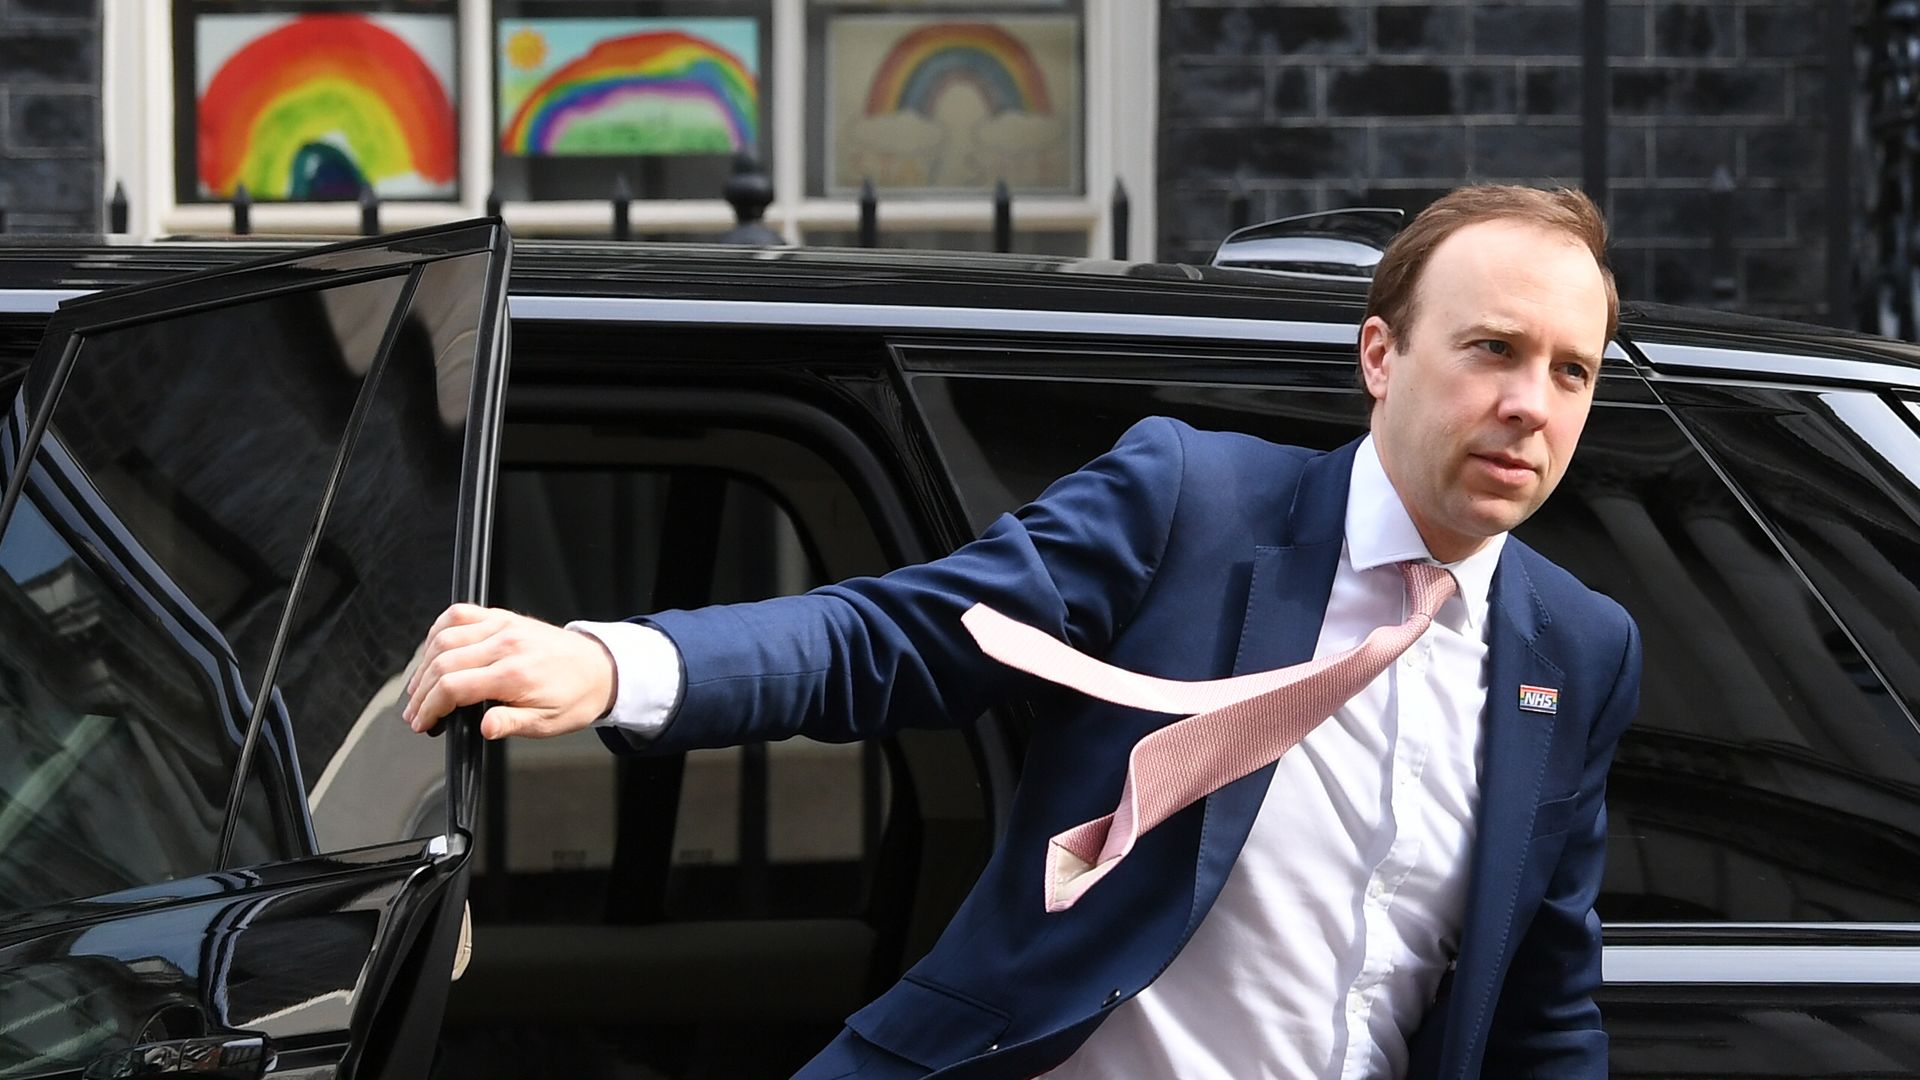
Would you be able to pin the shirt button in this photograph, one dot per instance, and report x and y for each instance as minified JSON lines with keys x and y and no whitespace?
{"x":1377,"y":888}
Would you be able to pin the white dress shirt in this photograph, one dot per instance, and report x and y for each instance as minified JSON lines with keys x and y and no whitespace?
{"x":1335,"y":925}
{"x":1343,"y":911}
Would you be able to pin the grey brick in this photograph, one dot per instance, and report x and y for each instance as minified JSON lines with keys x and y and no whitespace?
{"x":1809,"y":95}
{"x":64,"y":9}
{"x":53,"y":121}
{"x":1661,"y":214}
{"x":1268,"y":152}
{"x":1788,"y":151}
{"x":1487,"y":90}
{"x":1552,"y":30}
{"x":1785,"y":30}
{"x":1193,"y":215}
{"x":1785,"y":276}
{"x":1627,"y":29}
{"x":1262,"y":31}
{"x":1694,"y":30}
{"x":1290,"y":92}
{"x":1705,"y":92}
{"x":1391,"y":90}
{"x":49,"y":56}
{"x":1210,"y":91}
{"x":1682,"y":276}
{"x":1693,"y":152}
{"x":1764,"y":214}
{"x":1627,"y":150}
{"x":1552,"y":91}
{"x":49,"y":185}
{"x":1426,"y":152}
{"x":1423,"y":30}
{"x":1526,"y":152}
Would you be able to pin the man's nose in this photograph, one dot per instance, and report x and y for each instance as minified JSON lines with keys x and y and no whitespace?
{"x":1524,"y":396}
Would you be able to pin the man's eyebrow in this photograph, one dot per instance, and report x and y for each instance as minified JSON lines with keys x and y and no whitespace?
{"x":1493,"y":328}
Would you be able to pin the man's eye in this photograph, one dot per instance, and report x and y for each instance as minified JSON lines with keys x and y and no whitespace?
{"x":1496,"y":346}
{"x":1577,"y":372}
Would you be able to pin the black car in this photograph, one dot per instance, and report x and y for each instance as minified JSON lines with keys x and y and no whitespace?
{"x":239,"y":490}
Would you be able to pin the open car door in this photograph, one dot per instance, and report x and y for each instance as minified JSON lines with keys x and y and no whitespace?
{"x":234,"y":503}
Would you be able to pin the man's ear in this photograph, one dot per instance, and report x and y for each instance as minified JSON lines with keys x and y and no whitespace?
{"x":1376,"y":349}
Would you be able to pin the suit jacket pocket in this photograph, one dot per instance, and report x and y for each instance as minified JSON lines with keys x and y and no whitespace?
{"x":1555,"y":816}
{"x":929,"y":1024}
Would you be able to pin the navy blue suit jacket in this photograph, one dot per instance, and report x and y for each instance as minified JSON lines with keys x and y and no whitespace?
{"x":1188,"y":555}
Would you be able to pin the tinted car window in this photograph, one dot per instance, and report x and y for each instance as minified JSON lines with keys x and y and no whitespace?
{"x":690,"y":526}
{"x":150,"y":558}
{"x":1763,"y":735}
{"x":381,"y":573}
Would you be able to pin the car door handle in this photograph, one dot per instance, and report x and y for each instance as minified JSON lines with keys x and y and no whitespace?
{"x":227,"y":1057}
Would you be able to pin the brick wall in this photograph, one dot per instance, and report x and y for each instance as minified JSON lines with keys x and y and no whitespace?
{"x":50,"y":158}
{"x":1314,"y":107}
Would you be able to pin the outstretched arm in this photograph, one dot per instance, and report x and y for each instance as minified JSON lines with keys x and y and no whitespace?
{"x":856,"y":659}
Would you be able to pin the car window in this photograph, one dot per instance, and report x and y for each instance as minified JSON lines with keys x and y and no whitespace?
{"x":710,"y":516}
{"x":382,"y":571}
{"x":1769,"y":776}
{"x":149,"y":561}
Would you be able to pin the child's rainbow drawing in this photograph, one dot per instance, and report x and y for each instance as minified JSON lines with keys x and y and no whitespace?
{"x":314,"y":106}
{"x":628,"y":86}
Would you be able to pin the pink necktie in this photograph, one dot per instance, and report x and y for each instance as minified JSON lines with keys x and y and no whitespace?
{"x":1241,"y":724}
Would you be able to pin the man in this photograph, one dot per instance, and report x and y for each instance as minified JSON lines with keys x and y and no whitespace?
{"x":1408,"y":891}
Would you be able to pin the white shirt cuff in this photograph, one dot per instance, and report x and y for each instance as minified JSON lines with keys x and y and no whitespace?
{"x":646,"y":670}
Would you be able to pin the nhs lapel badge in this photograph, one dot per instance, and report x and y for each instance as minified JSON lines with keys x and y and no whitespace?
{"x":1540,"y":699}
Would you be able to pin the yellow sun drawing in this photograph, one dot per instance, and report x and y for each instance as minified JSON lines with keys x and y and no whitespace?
{"x":526,"y":49}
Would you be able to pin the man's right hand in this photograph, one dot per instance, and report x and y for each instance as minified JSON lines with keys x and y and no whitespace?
{"x":548,"y":681}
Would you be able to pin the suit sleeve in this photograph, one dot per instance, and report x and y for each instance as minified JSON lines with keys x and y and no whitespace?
{"x":866,"y":656}
{"x":1546,"y":1023}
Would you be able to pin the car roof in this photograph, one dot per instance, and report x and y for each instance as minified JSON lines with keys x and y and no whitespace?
{"x":915,"y":278}
{"x":723,"y":272}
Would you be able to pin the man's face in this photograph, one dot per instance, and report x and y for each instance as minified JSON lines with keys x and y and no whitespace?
{"x":1478,"y":404}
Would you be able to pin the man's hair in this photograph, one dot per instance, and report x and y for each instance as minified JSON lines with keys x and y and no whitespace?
{"x":1396,"y":280}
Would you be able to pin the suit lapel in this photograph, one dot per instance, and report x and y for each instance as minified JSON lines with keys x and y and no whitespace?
{"x":1515,"y":746}
{"x":1286,"y":603}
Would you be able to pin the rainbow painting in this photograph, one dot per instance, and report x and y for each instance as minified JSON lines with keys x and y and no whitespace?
{"x":624,"y":87}
{"x":313,"y":107}
{"x":926,"y":63}
{"x":927,"y":106}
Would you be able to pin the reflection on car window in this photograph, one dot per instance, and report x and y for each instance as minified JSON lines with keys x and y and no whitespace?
{"x":171,"y":500}
{"x":116,"y":735}
{"x":382,"y":572}
{"x":1769,"y":777}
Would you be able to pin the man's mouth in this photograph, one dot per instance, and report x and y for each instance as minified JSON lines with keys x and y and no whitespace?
{"x":1506,"y":468}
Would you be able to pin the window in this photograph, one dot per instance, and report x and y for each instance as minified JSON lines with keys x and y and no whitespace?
{"x":548,"y":104}
{"x":1771,"y":775}
{"x":773,"y":882}
{"x":714,"y":516}
{"x":151,"y":558}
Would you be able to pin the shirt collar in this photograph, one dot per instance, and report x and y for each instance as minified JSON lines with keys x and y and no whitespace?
{"x":1380,"y":532}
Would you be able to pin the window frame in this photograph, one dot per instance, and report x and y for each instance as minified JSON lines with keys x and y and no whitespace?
{"x":1120,"y":74}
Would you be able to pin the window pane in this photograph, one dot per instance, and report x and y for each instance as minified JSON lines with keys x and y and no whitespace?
{"x":311,"y":105}
{"x":942,"y":100}
{"x":383,"y":571}
{"x":117,"y":729}
{"x":701,"y":515}
{"x":173,"y":494}
{"x":1770,"y":775}
{"x":660,"y":94}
